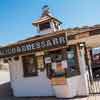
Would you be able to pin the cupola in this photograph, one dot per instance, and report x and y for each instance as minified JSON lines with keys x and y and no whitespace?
{"x":47,"y":23}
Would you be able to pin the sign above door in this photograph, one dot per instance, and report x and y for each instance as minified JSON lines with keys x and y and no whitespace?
{"x":56,"y":40}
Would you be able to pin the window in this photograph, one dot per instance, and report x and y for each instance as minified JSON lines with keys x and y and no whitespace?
{"x":44,"y":26}
{"x":72,"y":60}
{"x":40,"y":62}
{"x":29,"y":66}
{"x":56,"y":56}
{"x":56,"y":68}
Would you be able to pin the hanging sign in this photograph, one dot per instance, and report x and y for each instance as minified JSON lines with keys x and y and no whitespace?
{"x":39,"y":44}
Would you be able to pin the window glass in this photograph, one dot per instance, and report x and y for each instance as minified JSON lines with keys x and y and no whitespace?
{"x":44,"y":26}
{"x":40,"y":62}
{"x":71,"y":57}
{"x":72,"y":60}
{"x":29,"y":65}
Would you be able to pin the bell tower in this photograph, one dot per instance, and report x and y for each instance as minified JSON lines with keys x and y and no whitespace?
{"x":46,"y":23}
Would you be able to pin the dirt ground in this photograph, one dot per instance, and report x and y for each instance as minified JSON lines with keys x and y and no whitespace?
{"x":96,"y":97}
{"x":14,"y":98}
{"x":42,"y":98}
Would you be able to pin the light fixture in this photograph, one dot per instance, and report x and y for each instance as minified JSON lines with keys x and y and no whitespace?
{"x":81,"y":45}
{"x":9,"y":59}
{"x":16,"y":58}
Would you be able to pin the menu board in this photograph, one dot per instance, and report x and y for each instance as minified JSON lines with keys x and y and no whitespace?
{"x":59,"y":78}
{"x":47,"y":60}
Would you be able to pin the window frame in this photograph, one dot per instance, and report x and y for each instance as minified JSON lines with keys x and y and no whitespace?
{"x":25,"y":73}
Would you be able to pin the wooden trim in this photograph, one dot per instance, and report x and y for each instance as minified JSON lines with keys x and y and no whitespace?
{"x":34,"y":46}
{"x":77,"y":54}
{"x":95,"y":32}
{"x":59,"y":48}
{"x":71,"y":37}
{"x":84,"y":34}
{"x":41,"y":22}
{"x":88,"y":30}
{"x":37,"y":38}
{"x":77,"y":67}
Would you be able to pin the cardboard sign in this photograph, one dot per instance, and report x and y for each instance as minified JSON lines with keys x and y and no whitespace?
{"x":58,"y":81}
{"x":47,"y":60}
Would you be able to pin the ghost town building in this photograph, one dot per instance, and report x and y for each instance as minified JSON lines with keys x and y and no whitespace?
{"x":56,"y":62}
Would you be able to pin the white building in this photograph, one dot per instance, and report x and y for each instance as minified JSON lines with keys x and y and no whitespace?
{"x":49,"y":64}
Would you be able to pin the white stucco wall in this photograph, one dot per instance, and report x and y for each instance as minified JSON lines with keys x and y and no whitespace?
{"x":84,"y":73}
{"x":30,"y":86}
{"x":75,"y":86}
{"x":41,"y":85}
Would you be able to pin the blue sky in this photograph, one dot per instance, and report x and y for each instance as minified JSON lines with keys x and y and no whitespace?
{"x":16,"y":16}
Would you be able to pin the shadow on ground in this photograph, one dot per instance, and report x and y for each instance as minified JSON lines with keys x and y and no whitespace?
{"x":30,"y":98}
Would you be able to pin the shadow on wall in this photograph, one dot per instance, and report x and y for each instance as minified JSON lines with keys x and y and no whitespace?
{"x":5,"y":89}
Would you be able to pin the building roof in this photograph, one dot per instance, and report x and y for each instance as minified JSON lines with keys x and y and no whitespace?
{"x":79,"y":30}
{"x":34,"y":38}
{"x":69,"y":31}
{"x":45,"y":18}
